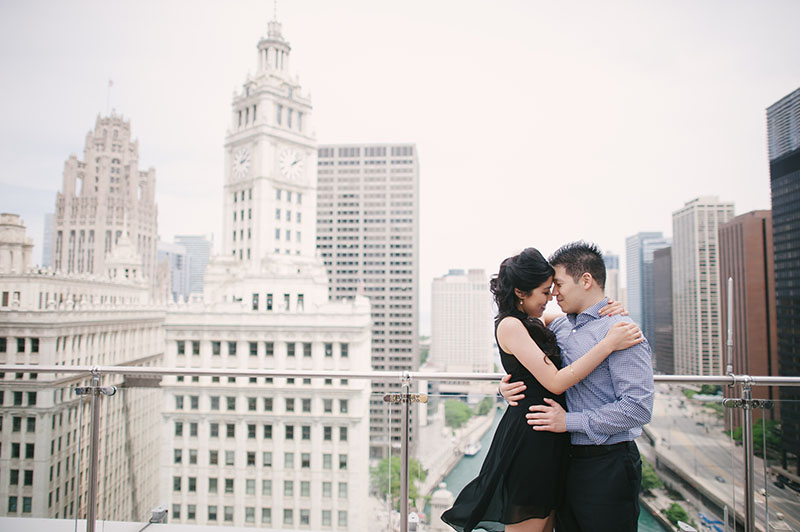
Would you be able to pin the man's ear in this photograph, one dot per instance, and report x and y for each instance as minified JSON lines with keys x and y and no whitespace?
{"x":587,"y":281}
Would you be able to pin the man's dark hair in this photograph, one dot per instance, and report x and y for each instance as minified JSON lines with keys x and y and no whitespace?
{"x":581,"y":257}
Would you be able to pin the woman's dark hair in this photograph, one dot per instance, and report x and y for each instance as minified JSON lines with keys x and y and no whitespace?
{"x":525,"y":272}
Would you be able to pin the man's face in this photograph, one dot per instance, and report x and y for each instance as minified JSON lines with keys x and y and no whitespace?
{"x":567,"y":292}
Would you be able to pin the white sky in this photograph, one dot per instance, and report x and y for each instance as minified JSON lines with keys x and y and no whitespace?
{"x":536,"y":122}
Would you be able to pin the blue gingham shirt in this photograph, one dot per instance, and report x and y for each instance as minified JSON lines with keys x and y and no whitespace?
{"x":616,"y":399}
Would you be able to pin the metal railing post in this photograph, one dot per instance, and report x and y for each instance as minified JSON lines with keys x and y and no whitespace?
{"x":93,"y":449}
{"x":747,"y":437}
{"x":404,"y":404}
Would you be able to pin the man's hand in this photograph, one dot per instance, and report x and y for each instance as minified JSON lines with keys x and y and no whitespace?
{"x":511,"y":392}
{"x":550,"y":417}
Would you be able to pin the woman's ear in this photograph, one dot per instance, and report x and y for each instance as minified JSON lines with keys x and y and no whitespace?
{"x":519,"y":293}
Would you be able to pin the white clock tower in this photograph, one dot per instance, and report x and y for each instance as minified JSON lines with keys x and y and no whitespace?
{"x":270,"y":162}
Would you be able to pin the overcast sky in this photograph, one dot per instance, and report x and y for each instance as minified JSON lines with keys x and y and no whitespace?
{"x":536,"y":122}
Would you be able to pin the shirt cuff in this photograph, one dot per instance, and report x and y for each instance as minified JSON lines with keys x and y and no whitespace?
{"x":574,"y":421}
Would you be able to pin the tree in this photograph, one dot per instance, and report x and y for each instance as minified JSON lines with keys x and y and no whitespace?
{"x":380,"y":476}
{"x":774,"y":436}
{"x":456,"y":413}
{"x":485,"y":406}
{"x":710,"y":389}
{"x":650,"y":479}
{"x":676,"y":513}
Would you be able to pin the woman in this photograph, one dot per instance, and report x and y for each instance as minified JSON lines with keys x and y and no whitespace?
{"x":521,"y":480}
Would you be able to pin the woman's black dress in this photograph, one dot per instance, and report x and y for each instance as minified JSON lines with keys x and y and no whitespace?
{"x":522,"y":476}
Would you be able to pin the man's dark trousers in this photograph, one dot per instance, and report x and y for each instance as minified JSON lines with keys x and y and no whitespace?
{"x":602,"y":489}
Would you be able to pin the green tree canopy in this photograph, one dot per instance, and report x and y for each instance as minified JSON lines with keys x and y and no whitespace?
{"x":485,"y":406}
{"x":676,"y":513}
{"x":650,"y":479}
{"x":381,"y":475}
{"x":456,"y":413}
{"x":773,"y":435}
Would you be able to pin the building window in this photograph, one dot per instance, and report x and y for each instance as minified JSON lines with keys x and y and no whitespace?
{"x":342,"y":518}
{"x":266,"y":459}
{"x":327,"y":406}
{"x":269,"y":301}
{"x":213,"y":458}
{"x":306,"y":405}
{"x":231,"y":348}
{"x":288,"y":488}
{"x":328,"y":349}
{"x":177,"y":456}
{"x":342,"y":461}
{"x":290,"y":349}
{"x":344,"y":350}
{"x":212,"y":513}
{"x":195,"y":348}
{"x":327,"y":459}
{"x":269,"y":348}
{"x":216,"y":348}
{"x":229,"y":513}
{"x":266,"y":516}
{"x":230,"y":430}
{"x":326,"y":489}
{"x":215,"y":402}
{"x":181,"y":347}
{"x":288,"y":460}
{"x":326,"y":518}
{"x":306,"y":432}
{"x":191,"y":512}
{"x":268,"y":404}
{"x":289,"y":432}
{"x":266,"y":487}
{"x":230,"y":458}
{"x":305,"y":460}
{"x":267,"y":432}
{"x":214,"y":430}
{"x":228,"y":485}
{"x":343,"y":406}
{"x":327,"y":432}
{"x":342,"y":433}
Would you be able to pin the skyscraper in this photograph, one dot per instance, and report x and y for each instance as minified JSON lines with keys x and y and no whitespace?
{"x":198,"y":250}
{"x":102,"y":196}
{"x":695,"y":285}
{"x":746,"y":256}
{"x":639,"y":260}
{"x":461,"y":323}
{"x":662,"y":329}
{"x":179,"y":265}
{"x":612,"y":275}
{"x":783,"y":124}
{"x":368,"y":236}
{"x":287,"y":452}
{"x":53,"y":319}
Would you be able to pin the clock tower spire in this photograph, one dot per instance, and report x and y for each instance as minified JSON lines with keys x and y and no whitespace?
{"x":270,"y":171}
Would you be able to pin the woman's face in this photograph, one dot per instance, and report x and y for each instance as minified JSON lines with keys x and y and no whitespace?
{"x":533,"y":303}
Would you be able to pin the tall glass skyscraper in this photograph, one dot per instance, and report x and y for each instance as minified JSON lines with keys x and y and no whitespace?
{"x":783,"y":124}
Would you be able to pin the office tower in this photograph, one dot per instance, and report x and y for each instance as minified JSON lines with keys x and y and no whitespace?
{"x":612,"y":275}
{"x":746,"y":255}
{"x":103,"y":196}
{"x":661,"y":341}
{"x":47,"y":240}
{"x":287,"y":452}
{"x":783,"y":124}
{"x":179,"y":267}
{"x":695,"y":285}
{"x":198,"y":251}
{"x":639,"y":258}
{"x":368,"y":236}
{"x":462,"y":335}
{"x":58,"y":319}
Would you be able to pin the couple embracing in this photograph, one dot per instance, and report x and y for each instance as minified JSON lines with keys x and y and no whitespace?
{"x":579,"y":386}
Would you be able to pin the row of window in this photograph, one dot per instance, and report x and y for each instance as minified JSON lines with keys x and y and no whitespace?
{"x":230,"y":431}
{"x":183,"y":346}
{"x":250,"y":460}
{"x":193,"y":401}
{"x":266,"y":487}
{"x":304,"y":515}
{"x":16,"y":397}
{"x":21,"y":342}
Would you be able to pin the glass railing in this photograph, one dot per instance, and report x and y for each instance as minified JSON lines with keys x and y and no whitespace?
{"x":292,"y":450}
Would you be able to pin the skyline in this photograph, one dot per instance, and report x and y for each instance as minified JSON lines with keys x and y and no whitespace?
{"x":670,"y":92}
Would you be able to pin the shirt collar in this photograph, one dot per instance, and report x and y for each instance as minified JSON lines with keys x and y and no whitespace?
{"x":591,"y":313}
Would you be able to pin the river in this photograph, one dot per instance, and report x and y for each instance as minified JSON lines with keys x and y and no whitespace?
{"x":468,"y":467}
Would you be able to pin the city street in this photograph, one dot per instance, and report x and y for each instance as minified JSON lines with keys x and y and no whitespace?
{"x":692,"y":436}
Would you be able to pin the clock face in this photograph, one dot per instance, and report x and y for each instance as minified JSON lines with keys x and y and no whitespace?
{"x":241,"y":162}
{"x":291,"y":163}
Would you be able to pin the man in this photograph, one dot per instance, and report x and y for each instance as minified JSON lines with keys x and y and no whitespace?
{"x":606,"y":410}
